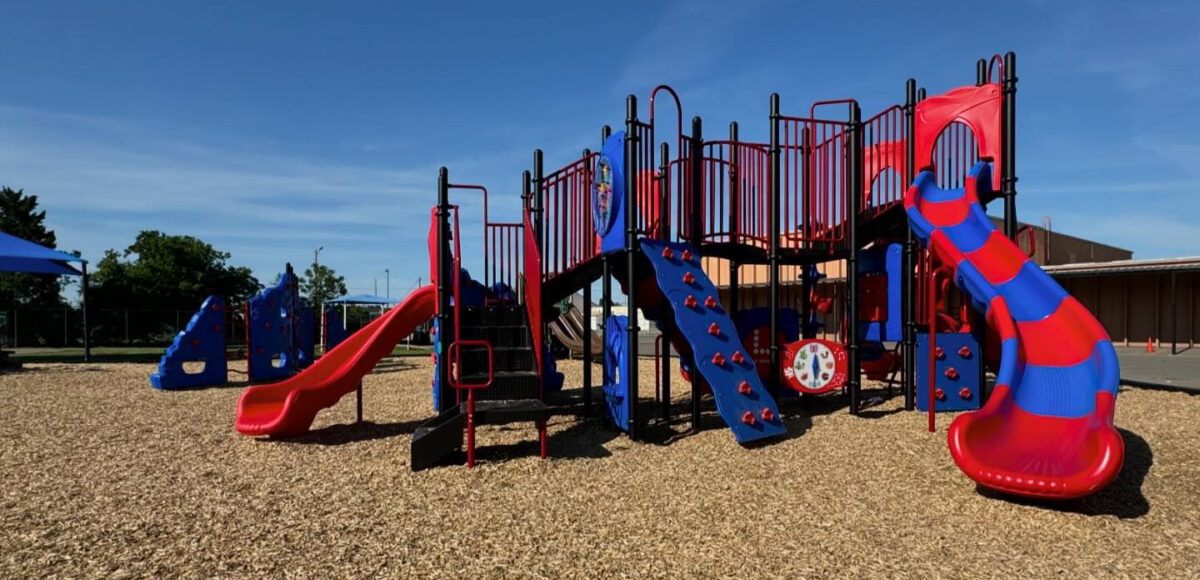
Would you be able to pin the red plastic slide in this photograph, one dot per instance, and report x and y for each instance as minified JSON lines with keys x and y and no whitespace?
{"x":289,"y":407}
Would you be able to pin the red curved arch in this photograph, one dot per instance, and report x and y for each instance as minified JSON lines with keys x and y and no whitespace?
{"x":977,"y":107}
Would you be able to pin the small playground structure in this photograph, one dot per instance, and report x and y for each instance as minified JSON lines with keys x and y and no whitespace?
{"x":280,"y":338}
{"x":897,"y":199}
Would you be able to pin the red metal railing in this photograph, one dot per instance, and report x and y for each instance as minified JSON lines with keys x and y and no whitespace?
{"x":568,"y":236}
{"x":502,"y":260}
{"x":813,"y":182}
{"x":737,"y":182}
{"x":884,"y":160}
{"x":954,"y":152}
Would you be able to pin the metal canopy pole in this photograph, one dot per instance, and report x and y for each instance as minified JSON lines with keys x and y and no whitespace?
{"x":87,"y":333}
{"x":695,"y":199}
{"x":444,"y":272}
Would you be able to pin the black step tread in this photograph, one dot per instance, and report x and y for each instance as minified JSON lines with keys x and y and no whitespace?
{"x":437,"y":438}
{"x":511,"y":411}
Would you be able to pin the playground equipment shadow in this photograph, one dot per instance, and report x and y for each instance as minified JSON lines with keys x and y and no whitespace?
{"x":109,"y":478}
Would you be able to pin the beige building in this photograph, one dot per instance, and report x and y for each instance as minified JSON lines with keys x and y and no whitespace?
{"x":1135,"y":300}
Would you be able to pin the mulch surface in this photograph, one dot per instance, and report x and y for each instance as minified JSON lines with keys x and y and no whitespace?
{"x":103,"y":477}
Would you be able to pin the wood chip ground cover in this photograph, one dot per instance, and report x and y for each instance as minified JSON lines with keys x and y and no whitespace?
{"x":103,"y":477}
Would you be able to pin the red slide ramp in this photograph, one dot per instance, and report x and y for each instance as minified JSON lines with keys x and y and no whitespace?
{"x":289,"y":407}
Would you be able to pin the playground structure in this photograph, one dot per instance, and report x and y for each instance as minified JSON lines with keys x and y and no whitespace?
{"x":827,"y":187}
{"x":279,"y":339}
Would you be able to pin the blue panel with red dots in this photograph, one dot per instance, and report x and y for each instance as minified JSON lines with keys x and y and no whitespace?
{"x":726,"y":366}
{"x":202,"y":340}
{"x":958,"y":376}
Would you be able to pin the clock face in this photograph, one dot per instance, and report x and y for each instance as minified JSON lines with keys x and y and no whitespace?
{"x":815,"y":366}
{"x":602,"y":195}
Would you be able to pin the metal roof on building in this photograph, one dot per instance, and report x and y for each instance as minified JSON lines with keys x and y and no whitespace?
{"x":1191,"y":264}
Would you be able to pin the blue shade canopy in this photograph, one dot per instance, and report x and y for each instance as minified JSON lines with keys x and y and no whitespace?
{"x":17,"y":255}
{"x":363,"y":299}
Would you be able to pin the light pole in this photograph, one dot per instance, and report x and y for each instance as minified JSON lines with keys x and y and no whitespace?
{"x":317,"y":257}
{"x":388,"y":274}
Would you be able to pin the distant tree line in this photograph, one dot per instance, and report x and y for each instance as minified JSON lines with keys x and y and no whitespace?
{"x":158,"y":271}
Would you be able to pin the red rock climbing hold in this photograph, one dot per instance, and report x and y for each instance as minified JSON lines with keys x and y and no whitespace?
{"x":195,"y":343}
{"x":965,"y":393}
{"x":687,"y":255}
{"x":939,"y":394}
{"x":748,"y":418}
{"x":738,"y":357}
{"x":216,"y":328}
{"x":267,"y":325}
{"x":767,"y":414}
{"x":710,"y":302}
{"x":952,"y":373}
{"x":690,"y":301}
{"x":965,"y":352}
{"x":688,"y":278}
{"x":714,"y":329}
{"x":667,"y":253}
{"x":718,"y":360}
{"x":744,"y":388}
{"x":939,"y":353}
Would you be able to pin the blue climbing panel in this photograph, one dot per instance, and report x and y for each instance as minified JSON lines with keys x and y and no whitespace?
{"x":202,"y":340}
{"x":616,"y":367}
{"x":741,"y":398}
{"x":306,"y":341}
{"x":957,"y":375}
{"x":271,"y":315}
{"x":335,"y":329}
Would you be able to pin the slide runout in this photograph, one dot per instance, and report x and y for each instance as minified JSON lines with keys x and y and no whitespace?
{"x":741,"y":398}
{"x":289,"y":407}
{"x":1059,"y":373}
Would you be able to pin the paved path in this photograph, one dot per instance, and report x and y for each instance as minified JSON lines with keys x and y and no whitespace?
{"x":1181,"y":370}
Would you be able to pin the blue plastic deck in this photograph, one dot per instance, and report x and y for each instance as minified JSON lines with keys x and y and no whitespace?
{"x":202,"y":340}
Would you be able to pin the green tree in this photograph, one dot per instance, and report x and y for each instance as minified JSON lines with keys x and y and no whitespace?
{"x":165,"y":271}
{"x":321,"y":283}
{"x":19,"y":216}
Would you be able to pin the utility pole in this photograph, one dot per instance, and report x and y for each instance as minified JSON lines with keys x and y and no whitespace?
{"x":388,"y":273}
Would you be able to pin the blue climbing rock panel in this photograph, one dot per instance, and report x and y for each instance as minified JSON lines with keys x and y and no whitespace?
{"x":202,"y":340}
{"x":306,"y":340}
{"x":335,"y":329}
{"x":616,"y":366}
{"x":741,"y":398}
{"x":271,"y":315}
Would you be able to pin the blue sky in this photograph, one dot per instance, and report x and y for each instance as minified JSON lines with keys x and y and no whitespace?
{"x":271,"y":128}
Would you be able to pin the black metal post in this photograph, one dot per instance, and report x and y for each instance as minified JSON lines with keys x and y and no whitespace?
{"x":83,"y":300}
{"x":735,"y":201}
{"x":605,"y":314}
{"x":853,"y":201}
{"x":664,"y":168}
{"x":807,"y":330}
{"x":696,"y":186}
{"x":538,"y":200}
{"x":445,"y":273}
{"x":1174,"y":316}
{"x":981,"y":72}
{"x":1008,"y":185}
{"x":587,"y":338}
{"x":631,"y":242}
{"x":773,"y":243}
{"x":921,"y":94}
{"x":908,"y":286}
{"x":605,"y":133}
